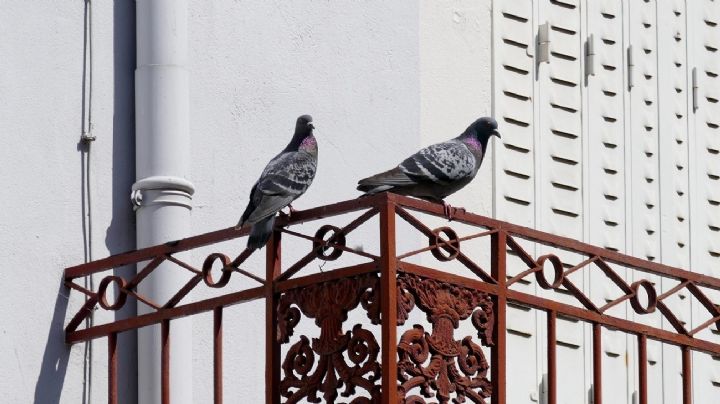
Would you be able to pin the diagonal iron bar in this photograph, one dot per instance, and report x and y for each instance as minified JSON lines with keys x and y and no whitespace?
{"x":309,"y":257}
{"x":461,"y":257}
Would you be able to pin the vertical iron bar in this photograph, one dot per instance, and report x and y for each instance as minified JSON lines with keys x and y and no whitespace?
{"x":642,"y":368}
{"x":165,"y":362}
{"x":597,"y":363}
{"x":388,"y":302}
{"x":687,"y":375}
{"x":112,"y":369}
{"x":217,"y":352}
{"x":552,"y":357}
{"x":272,"y":345}
{"x":499,"y":254}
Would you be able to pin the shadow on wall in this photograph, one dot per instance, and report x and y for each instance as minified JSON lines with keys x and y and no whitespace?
{"x":51,"y":380}
{"x":55,"y":359}
{"x":120,"y":234}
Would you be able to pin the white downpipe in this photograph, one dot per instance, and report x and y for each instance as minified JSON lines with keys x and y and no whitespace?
{"x":162,"y":194}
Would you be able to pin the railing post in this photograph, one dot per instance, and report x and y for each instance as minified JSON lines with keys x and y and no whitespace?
{"x":272,"y":345}
{"x":165,"y":362}
{"x":218,"y":355}
{"x":552,"y":357}
{"x":112,"y":369}
{"x":597,"y":364}
{"x":388,"y":301}
{"x":642,"y":368}
{"x":498,"y":258}
{"x":687,"y":375}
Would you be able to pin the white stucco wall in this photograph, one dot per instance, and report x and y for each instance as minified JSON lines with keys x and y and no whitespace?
{"x":41,"y":220}
{"x":455,"y":82}
{"x":255,"y":67}
{"x":381,"y":79}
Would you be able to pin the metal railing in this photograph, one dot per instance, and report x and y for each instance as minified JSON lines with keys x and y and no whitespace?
{"x":406,"y":362}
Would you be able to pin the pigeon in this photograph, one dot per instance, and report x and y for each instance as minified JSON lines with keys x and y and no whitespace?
{"x":287,"y":176}
{"x":439,"y":170}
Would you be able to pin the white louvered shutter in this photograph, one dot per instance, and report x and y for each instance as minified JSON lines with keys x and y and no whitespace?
{"x":514,"y":69}
{"x":644,"y":162}
{"x":606,"y":125}
{"x":674,"y":171}
{"x":514,"y":79}
{"x":704,"y":53}
{"x":644,"y":130}
{"x":625,"y":159}
{"x":560,"y":180}
{"x":605,"y":135}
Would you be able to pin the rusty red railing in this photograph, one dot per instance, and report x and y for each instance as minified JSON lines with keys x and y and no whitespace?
{"x":407,"y":364}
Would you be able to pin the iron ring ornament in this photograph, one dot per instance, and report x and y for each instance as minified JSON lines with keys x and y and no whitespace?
{"x":450,"y":243}
{"x":322,"y":247}
{"x":557,"y":268}
{"x":651,"y":297}
{"x":207,"y":270}
{"x":102,"y":293}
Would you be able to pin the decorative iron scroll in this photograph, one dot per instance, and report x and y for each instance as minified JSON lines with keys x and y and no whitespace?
{"x":436,"y":362}
{"x":322,"y":366}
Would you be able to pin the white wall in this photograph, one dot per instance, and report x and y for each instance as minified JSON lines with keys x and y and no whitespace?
{"x":42,"y":217}
{"x":456,"y":81}
{"x":360,"y":70}
{"x":255,"y":67}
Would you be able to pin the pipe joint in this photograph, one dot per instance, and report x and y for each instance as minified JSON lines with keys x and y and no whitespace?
{"x":162,"y":191}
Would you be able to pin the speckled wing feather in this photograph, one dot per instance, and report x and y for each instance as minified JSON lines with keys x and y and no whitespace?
{"x":284,"y":179}
{"x":441,"y":163}
{"x":438,"y":165}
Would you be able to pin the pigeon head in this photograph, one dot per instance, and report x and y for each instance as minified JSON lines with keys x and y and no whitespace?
{"x":483,"y":128}
{"x":304,"y":125}
{"x":303,"y":138}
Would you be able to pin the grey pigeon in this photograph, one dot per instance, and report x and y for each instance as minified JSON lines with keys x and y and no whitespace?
{"x":439,"y":170}
{"x":287,"y":176}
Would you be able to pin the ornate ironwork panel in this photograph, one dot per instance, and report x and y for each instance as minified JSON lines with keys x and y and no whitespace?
{"x":439,"y":364}
{"x":337,"y":360}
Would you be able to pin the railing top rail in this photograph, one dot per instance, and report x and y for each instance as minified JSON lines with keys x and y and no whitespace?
{"x":189,"y":243}
{"x":431,"y":208}
{"x":561,"y":242}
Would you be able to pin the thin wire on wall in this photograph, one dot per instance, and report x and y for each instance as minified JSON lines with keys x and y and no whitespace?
{"x":86,"y":140}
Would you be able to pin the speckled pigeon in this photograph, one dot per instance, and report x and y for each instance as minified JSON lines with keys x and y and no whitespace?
{"x":439,"y":170}
{"x":287,"y":176}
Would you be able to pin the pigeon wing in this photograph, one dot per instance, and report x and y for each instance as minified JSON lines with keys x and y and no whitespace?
{"x":391,"y":178}
{"x":441,"y":163}
{"x":284,"y":179}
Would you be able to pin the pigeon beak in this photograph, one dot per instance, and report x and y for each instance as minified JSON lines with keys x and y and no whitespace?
{"x":496,"y":133}
{"x":310,"y":125}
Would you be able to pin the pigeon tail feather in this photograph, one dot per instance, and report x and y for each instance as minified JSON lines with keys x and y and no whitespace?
{"x":260,"y":233}
{"x":374,"y":189}
{"x":244,"y":217}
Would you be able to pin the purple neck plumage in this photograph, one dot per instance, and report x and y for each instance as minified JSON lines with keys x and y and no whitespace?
{"x":301,"y":140}
{"x":308,"y":144}
{"x":470,"y":138}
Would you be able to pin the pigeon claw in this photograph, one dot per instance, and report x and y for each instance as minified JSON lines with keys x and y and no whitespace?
{"x":291,"y":211}
{"x":447,"y":210}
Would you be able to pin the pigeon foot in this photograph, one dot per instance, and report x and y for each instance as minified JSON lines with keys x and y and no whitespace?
{"x":291,"y":211}
{"x":450,"y":211}
{"x":447,"y":210}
